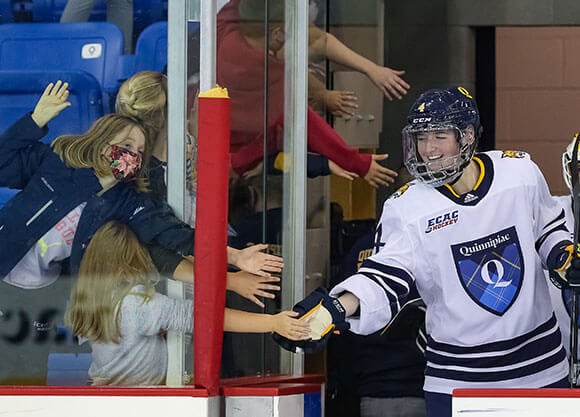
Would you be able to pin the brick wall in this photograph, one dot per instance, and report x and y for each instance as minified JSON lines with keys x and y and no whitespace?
{"x":538,"y":94}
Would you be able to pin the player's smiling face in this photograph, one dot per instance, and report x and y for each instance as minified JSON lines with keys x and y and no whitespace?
{"x":437,"y":148}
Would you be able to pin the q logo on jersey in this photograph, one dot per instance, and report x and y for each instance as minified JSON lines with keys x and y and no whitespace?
{"x":491,"y":270}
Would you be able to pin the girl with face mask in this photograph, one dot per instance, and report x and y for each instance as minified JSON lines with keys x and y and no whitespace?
{"x":72,"y":187}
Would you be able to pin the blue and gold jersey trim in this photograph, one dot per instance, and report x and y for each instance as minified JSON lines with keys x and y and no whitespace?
{"x":482,"y":185}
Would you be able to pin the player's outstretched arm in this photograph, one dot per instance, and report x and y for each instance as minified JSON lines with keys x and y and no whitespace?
{"x":51,"y":103}
{"x":325,"y":315}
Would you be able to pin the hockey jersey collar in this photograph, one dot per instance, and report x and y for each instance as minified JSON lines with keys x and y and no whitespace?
{"x":481,"y":188}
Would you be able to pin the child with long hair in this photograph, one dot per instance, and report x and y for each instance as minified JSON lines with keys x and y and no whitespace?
{"x":115,"y":306}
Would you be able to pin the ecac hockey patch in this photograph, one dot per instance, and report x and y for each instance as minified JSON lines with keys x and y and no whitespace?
{"x":439,"y":222}
{"x":491,"y":269}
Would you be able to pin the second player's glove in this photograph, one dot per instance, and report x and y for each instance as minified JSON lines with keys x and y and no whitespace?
{"x":564,"y":266}
{"x":324,"y":314}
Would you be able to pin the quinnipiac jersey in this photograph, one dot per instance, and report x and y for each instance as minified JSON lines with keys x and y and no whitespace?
{"x":477,"y":262}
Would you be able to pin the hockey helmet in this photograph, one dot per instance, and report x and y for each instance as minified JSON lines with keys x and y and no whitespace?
{"x":566,"y":160}
{"x":436,"y":110}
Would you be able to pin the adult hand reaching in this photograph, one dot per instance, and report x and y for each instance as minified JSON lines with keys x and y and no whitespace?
{"x":379,"y":175}
{"x":389,"y":81}
{"x":51,"y":103}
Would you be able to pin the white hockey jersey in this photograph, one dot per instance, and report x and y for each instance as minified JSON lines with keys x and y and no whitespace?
{"x":477,"y":262}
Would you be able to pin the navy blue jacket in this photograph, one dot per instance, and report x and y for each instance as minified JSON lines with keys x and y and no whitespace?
{"x":50,"y":190}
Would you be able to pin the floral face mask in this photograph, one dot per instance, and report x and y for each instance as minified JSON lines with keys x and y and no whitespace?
{"x":124,"y":163}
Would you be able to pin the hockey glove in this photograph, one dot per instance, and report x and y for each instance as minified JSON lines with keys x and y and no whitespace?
{"x":564,"y":267}
{"x":324,"y":314}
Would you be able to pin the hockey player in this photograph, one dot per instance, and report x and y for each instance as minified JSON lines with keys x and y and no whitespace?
{"x":562,"y":298}
{"x":472,"y":231}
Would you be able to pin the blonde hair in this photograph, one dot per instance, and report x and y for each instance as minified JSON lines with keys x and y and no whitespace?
{"x":86,"y":150}
{"x":114,"y":262}
{"x":144,"y":97}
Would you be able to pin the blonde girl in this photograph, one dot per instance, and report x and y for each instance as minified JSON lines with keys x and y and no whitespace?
{"x":115,"y":306}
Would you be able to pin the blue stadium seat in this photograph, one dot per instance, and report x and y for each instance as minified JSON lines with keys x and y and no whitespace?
{"x":147,"y":12}
{"x":94,"y":47}
{"x":151,"y":48}
{"x":68,"y":369}
{"x":6,"y":194}
{"x":20,"y":90}
{"x":6,"y":11}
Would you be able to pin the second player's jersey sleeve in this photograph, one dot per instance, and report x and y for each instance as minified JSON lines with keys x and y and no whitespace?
{"x":549,"y":216}
{"x":383,"y":281}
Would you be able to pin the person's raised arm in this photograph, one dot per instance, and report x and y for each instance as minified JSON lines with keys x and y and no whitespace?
{"x":54,"y":99}
{"x":389,"y":81}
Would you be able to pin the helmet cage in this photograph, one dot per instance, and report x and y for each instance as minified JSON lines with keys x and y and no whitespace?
{"x":440,"y":172}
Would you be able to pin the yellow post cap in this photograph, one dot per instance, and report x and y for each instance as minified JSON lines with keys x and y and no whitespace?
{"x":216,"y":92}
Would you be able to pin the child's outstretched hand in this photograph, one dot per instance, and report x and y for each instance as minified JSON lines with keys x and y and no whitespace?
{"x":253,"y":260}
{"x":51,"y":103}
{"x":286,"y":325}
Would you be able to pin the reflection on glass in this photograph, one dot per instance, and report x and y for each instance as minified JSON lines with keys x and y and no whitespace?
{"x":194,"y":10}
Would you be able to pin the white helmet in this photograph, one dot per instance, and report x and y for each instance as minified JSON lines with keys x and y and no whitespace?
{"x":566,"y":160}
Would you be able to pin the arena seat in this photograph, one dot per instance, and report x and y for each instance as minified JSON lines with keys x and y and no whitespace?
{"x":6,"y":14}
{"x":68,"y":369}
{"x":20,"y":90}
{"x":6,"y":194}
{"x":151,"y":48}
{"x":93,"y":47}
{"x":147,"y":12}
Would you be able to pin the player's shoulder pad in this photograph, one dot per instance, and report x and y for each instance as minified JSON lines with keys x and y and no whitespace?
{"x":402,"y":190}
{"x":515,"y":154}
